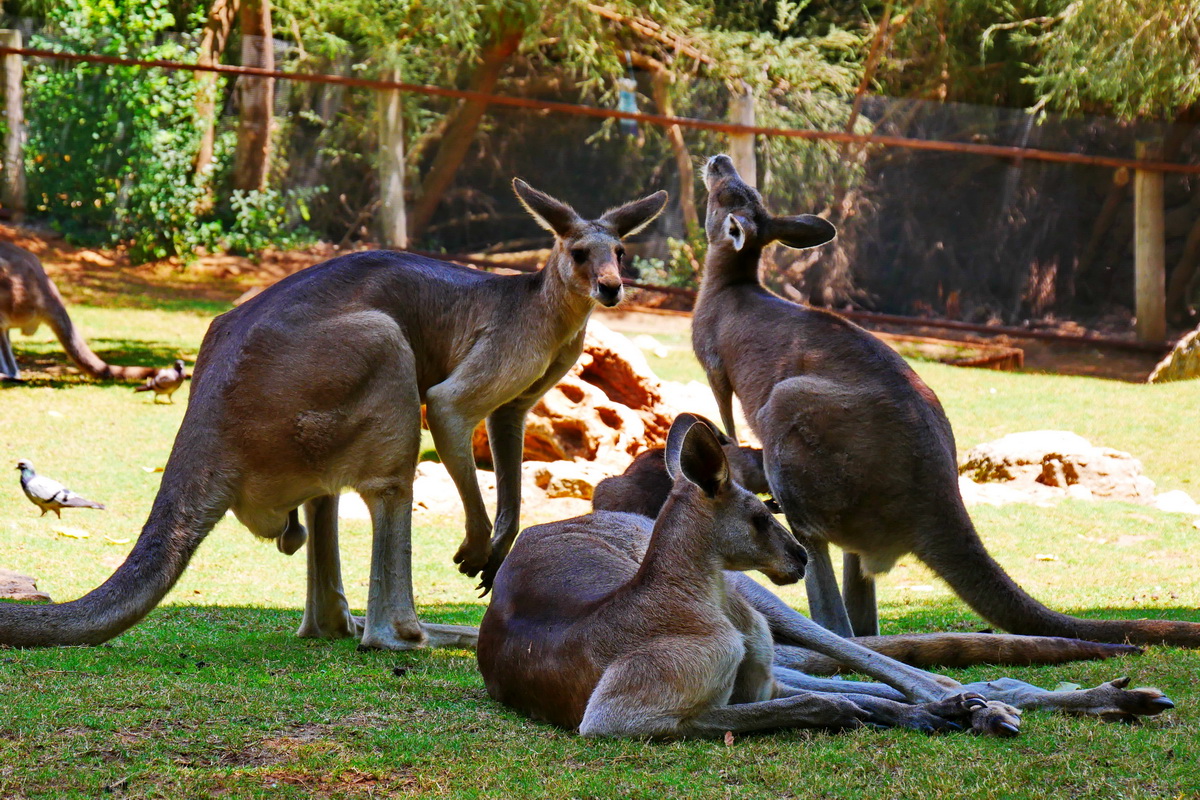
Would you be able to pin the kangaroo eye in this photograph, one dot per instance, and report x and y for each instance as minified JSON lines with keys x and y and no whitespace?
{"x":580,"y":255}
{"x":620,"y":254}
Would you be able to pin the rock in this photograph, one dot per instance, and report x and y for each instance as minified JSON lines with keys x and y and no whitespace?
{"x":566,"y":478}
{"x":651,"y":345}
{"x":1182,"y":363}
{"x":1060,"y":460}
{"x":15,"y":586}
{"x":608,"y":408}
{"x":1176,"y":501}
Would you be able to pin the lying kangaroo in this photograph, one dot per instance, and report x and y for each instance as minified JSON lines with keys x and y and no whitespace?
{"x":317,"y":383}
{"x":662,"y":641}
{"x":27,"y":299}
{"x":644,"y":488}
{"x":857,"y":449}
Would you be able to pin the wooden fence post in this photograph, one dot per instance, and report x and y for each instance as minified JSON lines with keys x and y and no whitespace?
{"x":1149,"y":255}
{"x":12,"y":188}
{"x":392,"y":216}
{"x":741,"y":145}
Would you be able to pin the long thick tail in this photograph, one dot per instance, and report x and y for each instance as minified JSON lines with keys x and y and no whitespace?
{"x":189,"y":503}
{"x":959,"y":650}
{"x":793,"y":633}
{"x":78,"y":350}
{"x":957,"y":555}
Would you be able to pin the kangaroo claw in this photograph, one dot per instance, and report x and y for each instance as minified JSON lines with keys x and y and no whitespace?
{"x":996,"y":719}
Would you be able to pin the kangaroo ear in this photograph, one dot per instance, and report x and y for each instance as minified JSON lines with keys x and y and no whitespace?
{"x":801,"y":231}
{"x":694,"y":453}
{"x":735,"y":228}
{"x":553,"y":215}
{"x":721,"y":437}
{"x":633,"y":217}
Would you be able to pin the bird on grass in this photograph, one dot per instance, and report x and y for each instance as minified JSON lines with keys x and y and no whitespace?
{"x":48,"y":494}
{"x":165,"y":381}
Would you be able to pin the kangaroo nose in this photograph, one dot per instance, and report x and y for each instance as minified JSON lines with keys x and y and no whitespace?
{"x":608,"y":291}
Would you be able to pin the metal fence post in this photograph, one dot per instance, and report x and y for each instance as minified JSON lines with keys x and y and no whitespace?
{"x":392,"y":216}
{"x":12,"y":188}
{"x":1149,"y":254}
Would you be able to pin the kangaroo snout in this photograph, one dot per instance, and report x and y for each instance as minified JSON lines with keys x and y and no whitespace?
{"x":609,"y":290}
{"x":717,"y":167}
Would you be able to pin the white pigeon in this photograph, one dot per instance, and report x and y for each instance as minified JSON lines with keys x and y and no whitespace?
{"x":48,"y":494}
{"x":165,"y":381}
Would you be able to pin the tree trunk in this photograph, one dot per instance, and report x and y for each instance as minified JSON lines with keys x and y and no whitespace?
{"x":214,"y":37}
{"x":661,"y":79}
{"x":683,"y":160}
{"x":257,"y":96}
{"x":460,"y":131}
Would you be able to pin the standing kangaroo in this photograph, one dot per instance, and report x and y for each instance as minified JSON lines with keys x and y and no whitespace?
{"x":27,"y":299}
{"x":661,"y":640}
{"x":317,"y":384}
{"x":857,"y":449}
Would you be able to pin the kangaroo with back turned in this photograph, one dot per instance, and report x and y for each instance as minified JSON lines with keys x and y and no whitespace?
{"x":664,"y":639}
{"x":317,"y":384}
{"x":857,"y":449}
{"x":27,"y":299}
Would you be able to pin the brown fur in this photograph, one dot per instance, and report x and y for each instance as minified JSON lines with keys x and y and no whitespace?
{"x":858,"y":450}
{"x":644,"y":486}
{"x":317,"y":384}
{"x":604,"y":624}
{"x":29,"y":298}
{"x":643,"y":489}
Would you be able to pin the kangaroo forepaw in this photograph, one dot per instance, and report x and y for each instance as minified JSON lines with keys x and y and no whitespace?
{"x":950,"y":714}
{"x":1112,"y":702}
{"x":472,"y":558}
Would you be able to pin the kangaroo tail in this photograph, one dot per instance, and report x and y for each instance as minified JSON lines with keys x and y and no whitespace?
{"x":959,"y":650}
{"x":187,"y":506}
{"x":959,"y":557}
{"x":77,"y":347}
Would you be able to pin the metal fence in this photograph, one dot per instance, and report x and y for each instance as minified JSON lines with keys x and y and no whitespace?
{"x":984,"y":215}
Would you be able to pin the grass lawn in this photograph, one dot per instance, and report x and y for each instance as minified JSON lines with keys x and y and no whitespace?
{"x":213,"y":695}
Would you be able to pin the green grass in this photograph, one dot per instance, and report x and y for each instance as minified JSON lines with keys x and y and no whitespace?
{"x":213,"y":695}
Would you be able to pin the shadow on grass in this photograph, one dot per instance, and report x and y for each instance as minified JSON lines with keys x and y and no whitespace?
{"x":254,"y":627}
{"x":48,"y":365}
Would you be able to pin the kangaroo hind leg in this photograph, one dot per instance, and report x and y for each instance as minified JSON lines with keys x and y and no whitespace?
{"x":326,"y":610}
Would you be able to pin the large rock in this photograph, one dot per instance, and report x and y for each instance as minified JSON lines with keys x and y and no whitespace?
{"x":1058,"y":460}
{"x":15,"y":586}
{"x":607,"y":409}
{"x":1182,"y":363}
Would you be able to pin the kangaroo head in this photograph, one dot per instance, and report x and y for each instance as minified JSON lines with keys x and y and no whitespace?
{"x":745,"y":463}
{"x":738,"y":220}
{"x":745,"y":533}
{"x":587,"y":254}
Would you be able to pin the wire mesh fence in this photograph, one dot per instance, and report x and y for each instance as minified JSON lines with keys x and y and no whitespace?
{"x":958,"y":232}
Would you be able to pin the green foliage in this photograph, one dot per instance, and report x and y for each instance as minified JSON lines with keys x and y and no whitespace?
{"x":111,"y":146}
{"x":1131,"y":58}
{"x":111,"y":149}
{"x":264,"y":218}
{"x":680,"y":268}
